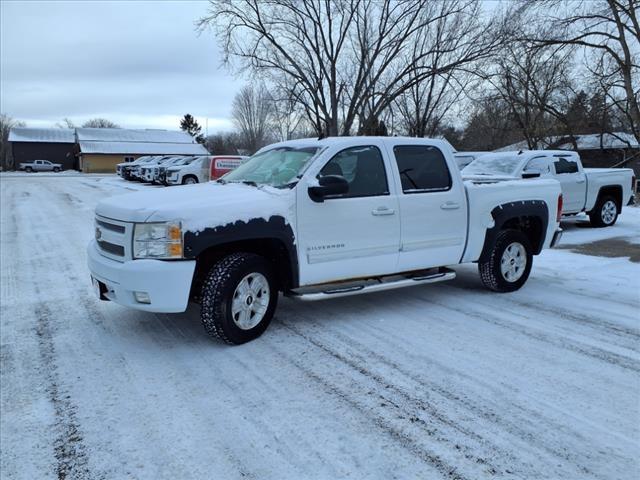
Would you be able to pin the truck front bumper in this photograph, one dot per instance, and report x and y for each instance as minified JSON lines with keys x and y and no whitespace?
{"x":556,"y":238}
{"x":172,"y":179}
{"x":163,"y":285}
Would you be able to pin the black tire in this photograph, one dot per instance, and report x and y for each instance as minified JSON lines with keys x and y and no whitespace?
{"x":28,"y":169}
{"x":217,"y":295}
{"x":490,"y":269}
{"x":189,"y":177}
{"x":56,"y":169}
{"x":598,"y":217}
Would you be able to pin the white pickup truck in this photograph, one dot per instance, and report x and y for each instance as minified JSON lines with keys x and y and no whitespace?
{"x":600,"y":192}
{"x":314,"y":219}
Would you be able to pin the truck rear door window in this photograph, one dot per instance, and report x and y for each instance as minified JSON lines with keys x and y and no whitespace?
{"x":422,"y":168}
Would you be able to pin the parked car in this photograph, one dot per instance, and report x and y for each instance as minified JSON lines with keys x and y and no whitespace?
{"x":149,"y":171}
{"x":40,"y":166}
{"x":131,"y":171}
{"x":120,"y":167}
{"x":191,"y":170}
{"x":600,"y":192}
{"x":175,"y":161}
{"x":315,"y":219}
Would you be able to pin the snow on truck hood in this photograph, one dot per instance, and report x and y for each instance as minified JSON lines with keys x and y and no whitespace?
{"x":200,"y":206}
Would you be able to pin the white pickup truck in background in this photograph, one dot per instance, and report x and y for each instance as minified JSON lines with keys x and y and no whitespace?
{"x":314,"y":219}
{"x":40,"y":166}
{"x":600,"y":192}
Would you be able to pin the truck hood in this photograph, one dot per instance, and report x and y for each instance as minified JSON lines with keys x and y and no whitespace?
{"x":205,"y":205}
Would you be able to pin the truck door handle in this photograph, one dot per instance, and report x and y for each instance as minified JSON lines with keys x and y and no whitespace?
{"x":450,"y":206}
{"x":580,"y":181}
{"x":383,"y":211}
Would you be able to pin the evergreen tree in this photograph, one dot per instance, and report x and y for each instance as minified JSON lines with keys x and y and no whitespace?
{"x":191,"y":126}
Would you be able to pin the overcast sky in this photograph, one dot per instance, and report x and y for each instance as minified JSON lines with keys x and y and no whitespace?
{"x":138,"y":63}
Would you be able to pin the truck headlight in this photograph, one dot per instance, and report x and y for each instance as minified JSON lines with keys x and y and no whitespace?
{"x":157,"y":240}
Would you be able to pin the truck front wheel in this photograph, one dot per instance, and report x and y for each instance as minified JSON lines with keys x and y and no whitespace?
{"x":238,"y":298}
{"x":189,"y":180}
{"x":509,"y":263}
{"x":605,"y":212}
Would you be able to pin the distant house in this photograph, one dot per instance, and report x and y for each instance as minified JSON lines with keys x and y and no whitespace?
{"x":94,"y":150}
{"x":53,"y":144}
{"x":101,"y":149}
{"x":617,"y":149}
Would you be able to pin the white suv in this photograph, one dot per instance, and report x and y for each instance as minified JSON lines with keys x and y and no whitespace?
{"x":193,"y":170}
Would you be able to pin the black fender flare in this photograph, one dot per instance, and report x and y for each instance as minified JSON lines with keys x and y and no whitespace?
{"x":275,"y":228}
{"x":509,"y":211}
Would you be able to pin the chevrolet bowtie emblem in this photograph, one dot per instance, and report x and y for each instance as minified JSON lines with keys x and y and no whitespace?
{"x":98,"y":233}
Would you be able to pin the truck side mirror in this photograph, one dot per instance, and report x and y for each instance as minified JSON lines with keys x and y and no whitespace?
{"x":328,"y":185}
{"x":530,"y":174}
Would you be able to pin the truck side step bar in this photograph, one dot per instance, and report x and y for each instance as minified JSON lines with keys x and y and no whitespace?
{"x":344,"y":289}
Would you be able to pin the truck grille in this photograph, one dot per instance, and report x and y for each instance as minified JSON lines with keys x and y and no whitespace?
{"x":114,"y":238}
{"x":111,"y":248}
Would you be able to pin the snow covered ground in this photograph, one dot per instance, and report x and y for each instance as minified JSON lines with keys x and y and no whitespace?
{"x":444,"y":381}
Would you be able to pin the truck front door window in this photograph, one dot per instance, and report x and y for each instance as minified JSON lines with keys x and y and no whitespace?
{"x":537,"y":165}
{"x":363,"y":168}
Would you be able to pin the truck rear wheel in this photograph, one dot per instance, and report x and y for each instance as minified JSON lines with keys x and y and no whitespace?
{"x":605,"y":212}
{"x":238,"y":298}
{"x":28,"y":169}
{"x":509,"y":263}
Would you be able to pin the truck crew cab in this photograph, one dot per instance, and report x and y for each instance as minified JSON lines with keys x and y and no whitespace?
{"x":315,"y":219}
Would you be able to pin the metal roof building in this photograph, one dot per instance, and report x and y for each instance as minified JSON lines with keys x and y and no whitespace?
{"x":54,"y":144}
{"x":101,"y":149}
{"x":98,"y":149}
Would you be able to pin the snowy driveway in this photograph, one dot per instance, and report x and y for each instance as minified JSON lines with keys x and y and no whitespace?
{"x":444,"y":381}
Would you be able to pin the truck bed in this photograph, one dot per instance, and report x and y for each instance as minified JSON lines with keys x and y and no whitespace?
{"x":483,"y":197}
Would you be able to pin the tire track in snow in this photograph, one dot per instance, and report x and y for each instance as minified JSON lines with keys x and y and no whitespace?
{"x":483,"y":412}
{"x":615,"y":329}
{"x":406,"y":405}
{"x":70,"y":452}
{"x":513,"y":424}
{"x":69,"y":449}
{"x":403,"y":439}
{"x":574,"y":346}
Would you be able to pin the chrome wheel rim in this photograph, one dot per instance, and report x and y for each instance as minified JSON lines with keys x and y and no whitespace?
{"x":609,"y":211}
{"x":513,"y":262}
{"x":189,"y":181}
{"x":250,"y":301}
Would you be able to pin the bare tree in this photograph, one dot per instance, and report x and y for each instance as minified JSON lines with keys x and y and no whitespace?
{"x":66,"y":123}
{"x":251,"y":114}
{"x":99,"y":123}
{"x":6,"y":124}
{"x":533,"y":84}
{"x":609,"y":31}
{"x":223,"y":144}
{"x":343,"y":61}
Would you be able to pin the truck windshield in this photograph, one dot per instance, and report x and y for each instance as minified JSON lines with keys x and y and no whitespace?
{"x":492,"y":165}
{"x":278,"y":167}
